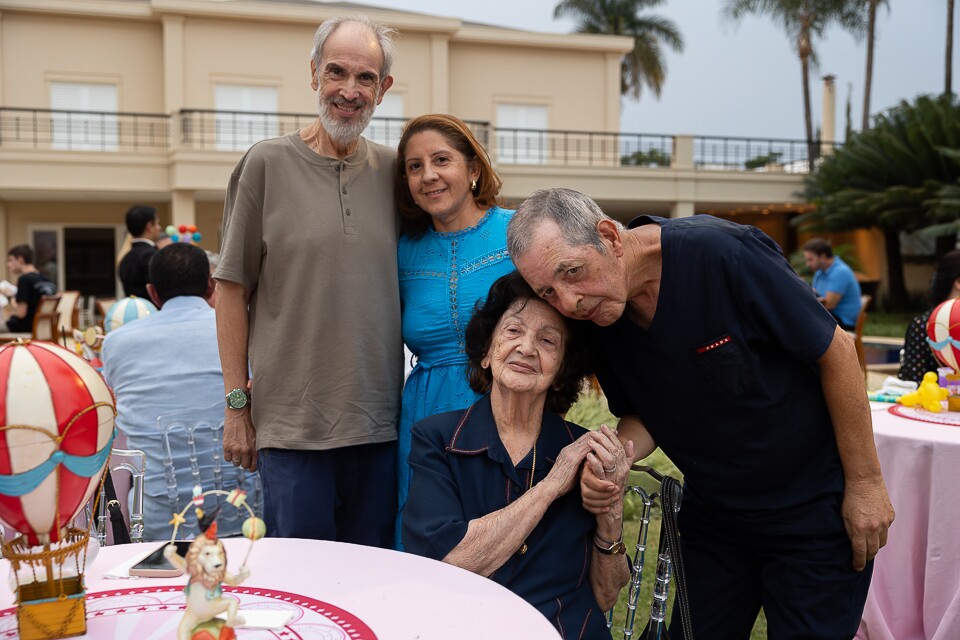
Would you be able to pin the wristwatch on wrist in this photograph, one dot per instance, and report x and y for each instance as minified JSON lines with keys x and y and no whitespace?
{"x":610,"y":548}
{"x":237,"y":399}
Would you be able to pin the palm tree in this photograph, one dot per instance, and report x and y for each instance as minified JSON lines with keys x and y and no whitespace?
{"x":803,"y":20}
{"x":868,"y":76}
{"x":948,"y":67}
{"x":897,"y":177}
{"x":645,"y":64}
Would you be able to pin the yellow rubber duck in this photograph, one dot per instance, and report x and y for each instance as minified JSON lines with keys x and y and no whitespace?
{"x":928,"y":395}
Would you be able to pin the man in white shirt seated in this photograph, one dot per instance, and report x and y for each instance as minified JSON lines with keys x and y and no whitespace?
{"x":168,"y":363}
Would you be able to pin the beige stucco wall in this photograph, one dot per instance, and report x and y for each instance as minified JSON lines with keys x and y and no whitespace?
{"x":248,"y":53}
{"x":39,"y":49}
{"x":571,"y":84}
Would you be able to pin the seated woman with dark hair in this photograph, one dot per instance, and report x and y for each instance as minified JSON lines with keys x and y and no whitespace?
{"x":495,"y":487}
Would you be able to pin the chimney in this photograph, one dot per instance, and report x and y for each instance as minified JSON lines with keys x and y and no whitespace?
{"x":828,"y":132}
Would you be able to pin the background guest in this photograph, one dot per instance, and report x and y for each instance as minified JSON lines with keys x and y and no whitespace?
{"x":494,"y":487}
{"x":453,"y":247}
{"x":134,"y":268}
{"x":834,"y":281}
{"x":31,"y":286}
{"x":917,"y":354}
{"x":168,"y":362}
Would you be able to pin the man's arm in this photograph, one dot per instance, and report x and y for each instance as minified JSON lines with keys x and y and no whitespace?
{"x":867,"y":512}
{"x":831,"y":300}
{"x":233,"y":328}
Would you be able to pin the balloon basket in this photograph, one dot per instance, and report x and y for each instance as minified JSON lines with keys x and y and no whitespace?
{"x":52,"y":604}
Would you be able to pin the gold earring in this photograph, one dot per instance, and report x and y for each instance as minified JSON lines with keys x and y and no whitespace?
{"x":473,"y":185}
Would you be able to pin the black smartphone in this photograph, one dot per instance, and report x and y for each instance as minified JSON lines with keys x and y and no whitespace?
{"x":156,"y":564}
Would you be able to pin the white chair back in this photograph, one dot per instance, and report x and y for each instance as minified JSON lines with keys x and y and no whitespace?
{"x":192,"y":455}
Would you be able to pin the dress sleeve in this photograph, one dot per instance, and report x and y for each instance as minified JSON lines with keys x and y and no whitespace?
{"x":433,"y":518}
{"x":917,"y":357}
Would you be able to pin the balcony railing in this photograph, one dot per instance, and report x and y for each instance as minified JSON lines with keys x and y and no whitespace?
{"x":773,"y":155}
{"x":82,"y":130}
{"x":210,"y":130}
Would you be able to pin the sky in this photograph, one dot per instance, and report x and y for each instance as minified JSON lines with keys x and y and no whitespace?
{"x":744,"y":79}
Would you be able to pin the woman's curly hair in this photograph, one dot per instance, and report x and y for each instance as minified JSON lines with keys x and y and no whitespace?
{"x":503,"y":294}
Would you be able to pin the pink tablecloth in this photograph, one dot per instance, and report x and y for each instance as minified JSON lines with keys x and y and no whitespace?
{"x":338,"y":591}
{"x":915,"y":593}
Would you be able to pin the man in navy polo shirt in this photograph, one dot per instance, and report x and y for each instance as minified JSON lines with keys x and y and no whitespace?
{"x":706,"y":338}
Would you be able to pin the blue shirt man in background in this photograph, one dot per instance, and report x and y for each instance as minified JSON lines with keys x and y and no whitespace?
{"x":168,"y":363}
{"x":836,"y":285}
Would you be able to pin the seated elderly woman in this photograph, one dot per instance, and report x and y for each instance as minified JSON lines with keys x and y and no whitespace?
{"x":495,"y":488}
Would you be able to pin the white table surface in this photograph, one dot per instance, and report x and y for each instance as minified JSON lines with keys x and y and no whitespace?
{"x":397,"y":595}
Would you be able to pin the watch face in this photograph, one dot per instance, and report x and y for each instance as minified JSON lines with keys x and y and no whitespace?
{"x":237,"y":399}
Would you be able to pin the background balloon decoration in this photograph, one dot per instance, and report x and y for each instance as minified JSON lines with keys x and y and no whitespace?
{"x":56,"y":430}
{"x":184,"y":233}
{"x":943,"y":333}
{"x":126,"y":310}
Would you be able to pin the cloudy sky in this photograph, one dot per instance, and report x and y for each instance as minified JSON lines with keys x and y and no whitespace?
{"x":744,"y":80}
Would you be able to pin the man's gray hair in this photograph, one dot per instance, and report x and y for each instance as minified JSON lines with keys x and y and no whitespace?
{"x":575,"y":214}
{"x":384,"y":35}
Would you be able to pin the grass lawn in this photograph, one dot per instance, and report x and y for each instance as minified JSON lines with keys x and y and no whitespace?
{"x":590,"y":412}
{"x":887,"y":324}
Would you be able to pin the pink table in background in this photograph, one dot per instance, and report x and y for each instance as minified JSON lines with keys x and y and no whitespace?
{"x":335,"y":591}
{"x":915,"y":593}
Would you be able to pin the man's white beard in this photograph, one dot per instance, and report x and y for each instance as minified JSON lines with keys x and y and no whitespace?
{"x":343,"y":133}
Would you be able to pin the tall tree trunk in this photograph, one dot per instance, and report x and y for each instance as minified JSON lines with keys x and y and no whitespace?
{"x":807,"y":116}
{"x":868,"y":76}
{"x":895,"y":282}
{"x":948,"y":67}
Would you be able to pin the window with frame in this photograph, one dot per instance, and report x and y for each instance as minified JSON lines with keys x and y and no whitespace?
{"x":521,"y":134}
{"x":84,"y":116}
{"x":245,"y":115}
{"x":386,"y":126}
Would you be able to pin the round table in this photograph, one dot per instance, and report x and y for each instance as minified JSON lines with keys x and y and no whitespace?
{"x":915,"y":592}
{"x":335,"y":590}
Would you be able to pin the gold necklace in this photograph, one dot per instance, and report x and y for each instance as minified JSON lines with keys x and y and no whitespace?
{"x":533,"y":470}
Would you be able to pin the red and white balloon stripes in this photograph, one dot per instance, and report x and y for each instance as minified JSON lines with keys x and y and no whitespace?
{"x":50,"y":400}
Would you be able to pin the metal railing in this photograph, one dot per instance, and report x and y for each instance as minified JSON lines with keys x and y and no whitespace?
{"x":771,"y":155}
{"x":233,"y":131}
{"x":82,"y":130}
{"x":580,"y":148}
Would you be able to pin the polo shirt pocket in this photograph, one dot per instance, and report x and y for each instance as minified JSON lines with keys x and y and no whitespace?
{"x":722,"y":368}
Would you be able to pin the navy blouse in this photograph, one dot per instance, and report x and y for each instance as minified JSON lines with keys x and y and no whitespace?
{"x":461,"y":471}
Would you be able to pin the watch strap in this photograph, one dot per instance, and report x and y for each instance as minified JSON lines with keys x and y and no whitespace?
{"x":609,"y":548}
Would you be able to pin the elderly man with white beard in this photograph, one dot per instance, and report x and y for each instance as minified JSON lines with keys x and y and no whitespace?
{"x":308,"y":296}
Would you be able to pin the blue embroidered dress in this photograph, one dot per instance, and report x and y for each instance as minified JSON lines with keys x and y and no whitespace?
{"x":442,"y":275}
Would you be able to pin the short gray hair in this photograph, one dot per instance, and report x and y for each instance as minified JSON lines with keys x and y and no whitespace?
{"x":383,"y":33}
{"x":575,"y":214}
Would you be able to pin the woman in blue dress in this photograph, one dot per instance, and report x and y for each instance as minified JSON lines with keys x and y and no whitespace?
{"x":453,"y":247}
